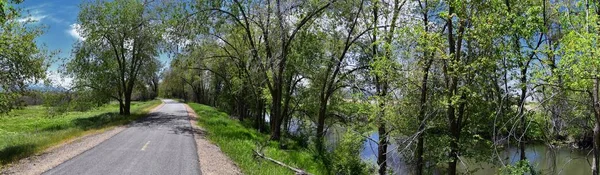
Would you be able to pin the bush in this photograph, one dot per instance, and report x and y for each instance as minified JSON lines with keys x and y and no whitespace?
{"x":56,"y":102}
{"x":520,"y":167}
{"x":347,"y":155}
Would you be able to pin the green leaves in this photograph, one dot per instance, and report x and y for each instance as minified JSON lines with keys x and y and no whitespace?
{"x":579,"y":63}
{"x":521,"y":167}
{"x":121,"y":46}
{"x":476,"y":71}
{"x":22,"y":62}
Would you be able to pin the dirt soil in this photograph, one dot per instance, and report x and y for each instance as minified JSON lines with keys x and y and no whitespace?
{"x":212,"y":159}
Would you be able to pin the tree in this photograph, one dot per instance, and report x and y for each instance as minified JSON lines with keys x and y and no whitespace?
{"x":529,"y":15}
{"x":334,"y":68}
{"x":428,"y":52}
{"x":267,"y":35}
{"x":472,"y":31}
{"x":121,"y":38}
{"x":22,"y":62}
{"x":443,"y":80}
{"x":280,"y":79}
{"x":147,"y":84}
{"x":579,"y":66}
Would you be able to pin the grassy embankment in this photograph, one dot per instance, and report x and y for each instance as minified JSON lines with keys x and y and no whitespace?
{"x":27,"y":131}
{"x":237,"y":141}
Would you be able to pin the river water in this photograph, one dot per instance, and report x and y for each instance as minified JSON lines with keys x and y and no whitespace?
{"x":563,"y":161}
{"x":544,"y":159}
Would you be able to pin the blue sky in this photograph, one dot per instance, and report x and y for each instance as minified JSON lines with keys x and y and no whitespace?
{"x":59,"y":18}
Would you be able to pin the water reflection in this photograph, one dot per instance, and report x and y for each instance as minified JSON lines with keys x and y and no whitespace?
{"x":394,"y":159}
{"x":544,"y":159}
{"x":563,"y":161}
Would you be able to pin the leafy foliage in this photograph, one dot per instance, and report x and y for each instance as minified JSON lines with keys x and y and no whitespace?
{"x":119,"y":50}
{"x":22,"y":61}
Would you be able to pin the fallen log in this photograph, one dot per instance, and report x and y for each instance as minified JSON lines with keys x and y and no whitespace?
{"x":298,"y":171}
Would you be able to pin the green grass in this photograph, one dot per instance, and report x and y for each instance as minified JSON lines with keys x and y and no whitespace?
{"x":238,"y":141}
{"x":28,"y":131}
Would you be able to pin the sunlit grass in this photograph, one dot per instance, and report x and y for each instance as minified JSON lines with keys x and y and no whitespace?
{"x":27,"y":131}
{"x":238,"y":141}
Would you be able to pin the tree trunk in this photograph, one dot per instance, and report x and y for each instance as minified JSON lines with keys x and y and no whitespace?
{"x":381,"y":92}
{"x":421,"y":119}
{"x":121,"y":107}
{"x":263,"y":114}
{"x":286,"y":125}
{"x":455,"y":129}
{"x":241,"y":108}
{"x":452,"y":86}
{"x":382,"y":148}
{"x":454,"y":134}
{"x":127,"y":106}
{"x":321,"y":125}
{"x":258,"y":116}
{"x":453,"y":149}
{"x":522,"y":111}
{"x":596,"y":145}
{"x":197,"y":95}
{"x":596,"y":139}
{"x":276,"y":116}
{"x":596,"y":106}
{"x":423,"y":101}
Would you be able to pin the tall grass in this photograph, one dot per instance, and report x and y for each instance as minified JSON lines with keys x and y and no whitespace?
{"x":27,"y":131}
{"x":237,"y":141}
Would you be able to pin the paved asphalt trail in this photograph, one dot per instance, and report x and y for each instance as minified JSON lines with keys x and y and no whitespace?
{"x":161,"y":143}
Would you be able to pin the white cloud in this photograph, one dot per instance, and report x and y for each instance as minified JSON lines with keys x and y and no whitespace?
{"x":58,"y":20}
{"x":57,"y":79}
{"x":32,"y":18}
{"x":74,"y":31}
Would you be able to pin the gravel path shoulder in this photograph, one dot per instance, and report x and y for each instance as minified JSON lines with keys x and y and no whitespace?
{"x":212,"y":159}
{"x":58,"y":154}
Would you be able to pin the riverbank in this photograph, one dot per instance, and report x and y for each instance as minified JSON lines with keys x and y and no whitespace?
{"x":29,"y":131}
{"x":238,"y":142}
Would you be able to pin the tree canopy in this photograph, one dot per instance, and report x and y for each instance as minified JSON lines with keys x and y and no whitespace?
{"x":437,"y":81}
{"x":22,"y":61}
{"x":120,"y":48}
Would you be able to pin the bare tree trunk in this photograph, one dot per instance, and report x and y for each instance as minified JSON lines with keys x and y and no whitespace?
{"x":452,"y":86}
{"x":321,"y":125}
{"x":421,"y":119}
{"x":121,"y":107}
{"x":382,"y":148}
{"x":258,"y":117}
{"x":521,"y":111}
{"x":596,"y":146}
{"x":127,"y":105}
{"x":596,"y":138}
{"x":423,"y":101}
{"x":275,"y":115}
{"x":453,"y":149}
{"x":382,"y":145}
{"x":596,"y":108}
{"x":263,"y":114}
